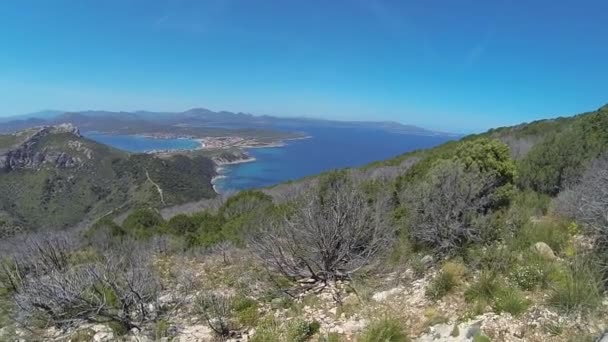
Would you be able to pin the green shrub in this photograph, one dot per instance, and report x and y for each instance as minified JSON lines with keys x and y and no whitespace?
{"x":331,"y":337}
{"x":578,"y":287}
{"x":182,"y":224}
{"x":82,"y":335}
{"x":443,"y":283}
{"x":512,"y":301}
{"x":143,"y":223}
{"x":268,"y":330}
{"x":118,"y":328}
{"x":300,"y":331}
{"x":418,"y":267}
{"x":533,"y":272}
{"x":553,"y":232}
{"x":481,"y":338}
{"x":248,"y":316}
{"x":161,"y":329}
{"x":497,"y":257}
{"x":385,"y":330}
{"x":485,"y":288}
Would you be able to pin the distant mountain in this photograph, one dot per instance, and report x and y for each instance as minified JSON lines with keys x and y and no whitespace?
{"x":53,"y":178}
{"x":43,"y":114}
{"x":195,"y":119}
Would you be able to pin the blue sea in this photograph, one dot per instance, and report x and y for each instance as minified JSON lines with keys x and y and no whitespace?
{"x":140,"y":144}
{"x":326,"y":149}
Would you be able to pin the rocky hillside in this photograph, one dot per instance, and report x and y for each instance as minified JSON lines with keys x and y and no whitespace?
{"x":24,"y":152}
{"x":52,"y":177}
{"x":498,"y":237}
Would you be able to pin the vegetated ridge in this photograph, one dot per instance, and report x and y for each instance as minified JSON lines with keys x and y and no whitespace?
{"x":53,"y":178}
{"x":501,"y":236}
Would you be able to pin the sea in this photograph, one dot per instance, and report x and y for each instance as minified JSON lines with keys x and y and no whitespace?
{"x":140,"y":143}
{"x":326,"y":148}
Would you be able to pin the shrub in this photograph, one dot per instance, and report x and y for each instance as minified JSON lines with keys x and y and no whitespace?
{"x":579,"y":286}
{"x":143,"y":223}
{"x":333,"y":233}
{"x":246,"y":310}
{"x":534,"y":272}
{"x":161,"y":329}
{"x":481,"y":338}
{"x":553,"y":232}
{"x":443,"y":283}
{"x":330,"y":337}
{"x":268,"y":330}
{"x":385,"y":330}
{"x":497,"y":257}
{"x":182,"y":224}
{"x":512,"y":301}
{"x":300,"y":331}
{"x":117,"y":287}
{"x":217,"y":310}
{"x":485,"y":288}
{"x":444,"y":210}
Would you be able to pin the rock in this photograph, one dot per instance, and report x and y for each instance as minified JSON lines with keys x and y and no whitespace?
{"x":25,"y":156}
{"x":603,"y":337}
{"x":196,"y":333}
{"x":519,"y":332}
{"x":544,"y":250}
{"x":353,"y":327}
{"x":103,"y":334}
{"x":277,"y":303}
{"x":427,"y":260}
{"x":455,"y":331}
{"x":382,"y":296}
{"x":474,"y":329}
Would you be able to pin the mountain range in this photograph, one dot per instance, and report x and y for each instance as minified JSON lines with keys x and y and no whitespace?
{"x":148,"y":122}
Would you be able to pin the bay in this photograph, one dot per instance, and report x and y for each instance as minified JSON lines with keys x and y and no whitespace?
{"x":141,"y":144}
{"x":326,"y":149}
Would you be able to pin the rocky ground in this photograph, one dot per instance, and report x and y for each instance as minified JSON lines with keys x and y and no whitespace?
{"x":343,"y":310}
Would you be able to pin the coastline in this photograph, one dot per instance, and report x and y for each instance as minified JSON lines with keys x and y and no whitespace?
{"x":219,"y":168}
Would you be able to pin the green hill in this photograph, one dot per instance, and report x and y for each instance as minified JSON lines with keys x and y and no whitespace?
{"x":53,"y":178}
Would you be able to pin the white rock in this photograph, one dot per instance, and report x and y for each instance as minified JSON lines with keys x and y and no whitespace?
{"x":382,"y":296}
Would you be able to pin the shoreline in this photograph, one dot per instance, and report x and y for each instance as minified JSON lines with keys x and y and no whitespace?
{"x":219,"y":167}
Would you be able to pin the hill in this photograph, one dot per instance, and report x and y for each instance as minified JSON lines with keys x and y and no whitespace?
{"x":198,"y":122}
{"x":53,"y":178}
{"x":500,"y":236}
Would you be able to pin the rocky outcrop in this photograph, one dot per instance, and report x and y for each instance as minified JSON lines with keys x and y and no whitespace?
{"x":237,"y":157}
{"x":26,"y":156}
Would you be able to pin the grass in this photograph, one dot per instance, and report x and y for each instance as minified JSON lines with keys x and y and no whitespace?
{"x":440,"y":286}
{"x":449,"y":277}
{"x":385,"y":330}
{"x":485,"y":288}
{"x":512,"y":301}
{"x":268,"y":330}
{"x":271,"y":330}
{"x":579,"y":286}
{"x":300,"y":331}
{"x":554,"y":232}
{"x":481,"y":338}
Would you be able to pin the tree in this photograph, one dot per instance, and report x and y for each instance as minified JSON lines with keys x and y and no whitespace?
{"x":491,"y":157}
{"x":142,"y":222}
{"x":332,"y":233}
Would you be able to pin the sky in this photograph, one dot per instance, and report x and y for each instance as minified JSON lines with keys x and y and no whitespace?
{"x":455,"y":65}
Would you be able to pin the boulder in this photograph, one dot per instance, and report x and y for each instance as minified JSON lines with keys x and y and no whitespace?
{"x":544,"y":250}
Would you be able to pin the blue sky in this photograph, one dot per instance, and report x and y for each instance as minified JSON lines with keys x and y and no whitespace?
{"x":455,"y":65}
